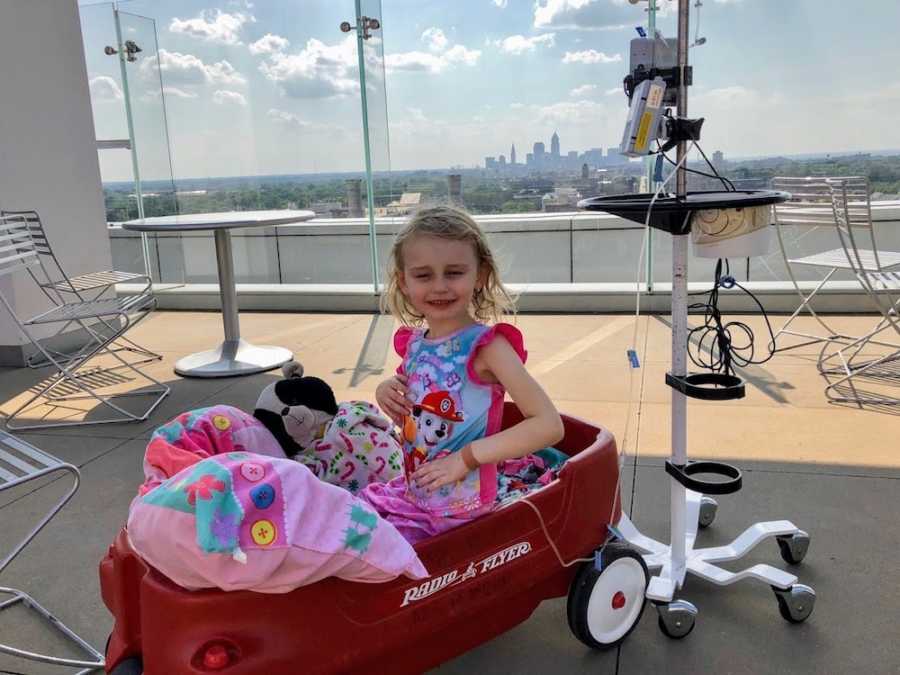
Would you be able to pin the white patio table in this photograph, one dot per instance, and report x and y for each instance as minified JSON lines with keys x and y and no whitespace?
{"x":234,"y":356}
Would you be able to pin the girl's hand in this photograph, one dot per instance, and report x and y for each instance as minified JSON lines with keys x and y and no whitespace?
{"x":439,"y":472}
{"x":391,"y":398}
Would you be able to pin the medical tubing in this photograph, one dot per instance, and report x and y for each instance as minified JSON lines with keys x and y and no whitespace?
{"x":618,"y":491}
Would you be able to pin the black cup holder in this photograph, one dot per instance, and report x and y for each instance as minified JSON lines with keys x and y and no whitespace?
{"x":684,"y":475}
{"x":708,"y":386}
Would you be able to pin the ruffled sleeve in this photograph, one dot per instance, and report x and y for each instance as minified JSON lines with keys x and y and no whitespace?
{"x":512,"y":335}
{"x":401,"y":344}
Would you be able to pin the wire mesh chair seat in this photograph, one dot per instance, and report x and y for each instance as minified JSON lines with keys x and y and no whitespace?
{"x":844,"y":365}
{"x":837,"y":258}
{"x":90,"y":309}
{"x":93,"y":281}
{"x":21,"y":462}
{"x":88,"y":286}
{"x":811,"y":205}
{"x":77,"y":375}
{"x":881,"y":281}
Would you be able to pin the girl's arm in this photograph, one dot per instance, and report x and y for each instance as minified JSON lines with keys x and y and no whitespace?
{"x":542,"y":426}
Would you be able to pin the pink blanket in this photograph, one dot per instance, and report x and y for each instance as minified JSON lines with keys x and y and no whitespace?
{"x":214,"y":512}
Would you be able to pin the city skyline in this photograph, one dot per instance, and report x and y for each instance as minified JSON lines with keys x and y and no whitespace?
{"x":539,"y":159}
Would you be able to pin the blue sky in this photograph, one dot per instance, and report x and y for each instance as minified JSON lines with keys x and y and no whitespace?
{"x":272,"y":86}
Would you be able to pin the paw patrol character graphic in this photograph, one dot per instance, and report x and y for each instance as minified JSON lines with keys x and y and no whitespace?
{"x":431,"y":423}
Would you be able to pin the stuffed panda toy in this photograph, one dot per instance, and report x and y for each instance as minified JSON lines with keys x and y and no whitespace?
{"x":296,"y":409}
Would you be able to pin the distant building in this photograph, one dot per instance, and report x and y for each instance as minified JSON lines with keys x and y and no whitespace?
{"x":554,"y":145}
{"x":512,"y":154}
{"x":718,"y":161}
{"x":502,"y":161}
{"x":490,"y":162}
{"x":572,"y":159}
{"x":529,"y":159}
{"x":354,"y":197}
{"x":594,"y":157}
{"x":454,"y":189}
{"x":561,"y":199}
{"x":408,"y":202}
{"x":328,"y":209}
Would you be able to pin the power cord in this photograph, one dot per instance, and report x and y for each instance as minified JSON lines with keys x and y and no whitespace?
{"x":716,"y":347}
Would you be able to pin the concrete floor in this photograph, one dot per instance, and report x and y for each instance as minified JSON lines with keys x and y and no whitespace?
{"x":831,"y":469}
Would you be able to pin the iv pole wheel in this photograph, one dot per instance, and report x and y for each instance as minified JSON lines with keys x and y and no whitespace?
{"x":708,"y":508}
{"x":795,"y":603}
{"x":793,"y":547}
{"x":604,"y":606}
{"x":676,"y":618}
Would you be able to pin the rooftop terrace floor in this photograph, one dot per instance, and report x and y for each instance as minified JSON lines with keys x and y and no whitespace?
{"x":834,"y":470}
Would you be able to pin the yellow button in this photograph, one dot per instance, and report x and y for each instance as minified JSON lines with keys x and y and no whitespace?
{"x":263,"y":532}
{"x":222,"y":423}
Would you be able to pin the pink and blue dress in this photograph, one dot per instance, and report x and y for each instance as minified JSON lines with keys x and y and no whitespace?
{"x":453,"y":406}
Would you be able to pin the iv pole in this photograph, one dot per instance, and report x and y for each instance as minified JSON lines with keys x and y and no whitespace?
{"x":676,"y":560}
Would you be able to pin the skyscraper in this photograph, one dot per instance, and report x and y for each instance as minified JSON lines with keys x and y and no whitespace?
{"x":512,"y":154}
{"x":554,"y":145}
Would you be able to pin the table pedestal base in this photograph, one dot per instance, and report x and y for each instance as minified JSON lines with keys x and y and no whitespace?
{"x":234,"y":357}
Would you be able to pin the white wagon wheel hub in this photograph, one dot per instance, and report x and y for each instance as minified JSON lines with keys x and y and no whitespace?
{"x":616,"y":600}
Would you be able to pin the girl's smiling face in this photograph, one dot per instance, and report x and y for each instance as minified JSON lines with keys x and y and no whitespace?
{"x":439,"y":277}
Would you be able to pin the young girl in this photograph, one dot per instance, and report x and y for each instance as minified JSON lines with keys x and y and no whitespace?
{"x":447,"y":396}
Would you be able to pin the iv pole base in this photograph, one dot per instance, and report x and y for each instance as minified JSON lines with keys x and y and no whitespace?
{"x":701,"y":561}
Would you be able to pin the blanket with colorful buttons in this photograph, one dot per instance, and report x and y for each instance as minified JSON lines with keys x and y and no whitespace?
{"x":235,"y":519}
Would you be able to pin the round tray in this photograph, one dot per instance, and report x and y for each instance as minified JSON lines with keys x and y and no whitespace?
{"x":671,"y":213}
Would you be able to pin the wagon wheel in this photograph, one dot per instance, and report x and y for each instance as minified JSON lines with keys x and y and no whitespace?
{"x":604,"y":606}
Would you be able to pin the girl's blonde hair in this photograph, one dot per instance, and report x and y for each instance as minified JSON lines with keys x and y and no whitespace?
{"x":489,"y":303}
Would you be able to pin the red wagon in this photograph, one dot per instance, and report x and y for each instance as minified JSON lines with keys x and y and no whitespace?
{"x":487,"y":577}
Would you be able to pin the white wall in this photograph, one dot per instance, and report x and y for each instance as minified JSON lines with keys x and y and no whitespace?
{"x":48,"y":155}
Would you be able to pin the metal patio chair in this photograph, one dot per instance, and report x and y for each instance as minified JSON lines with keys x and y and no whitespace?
{"x":811,"y":205}
{"x":21,"y":462}
{"x":880,"y":279}
{"x":84,"y":287}
{"x":79,"y":377}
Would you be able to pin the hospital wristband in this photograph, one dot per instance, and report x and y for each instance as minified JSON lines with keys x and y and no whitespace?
{"x":468,"y":457}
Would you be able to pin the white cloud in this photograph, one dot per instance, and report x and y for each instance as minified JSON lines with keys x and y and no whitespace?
{"x":269,"y":44}
{"x":213,"y":26}
{"x":187,"y":69}
{"x":500,"y":3}
{"x":317,"y":71}
{"x":460,"y":54}
{"x":288,"y":120}
{"x":614,"y":91}
{"x":590,"y":14}
{"x":223,"y":96}
{"x":435,"y":39}
{"x":178,"y":93}
{"x":590,"y":56}
{"x":584,"y":90}
{"x":416,"y":61}
{"x":105,"y":89}
{"x":519,"y":44}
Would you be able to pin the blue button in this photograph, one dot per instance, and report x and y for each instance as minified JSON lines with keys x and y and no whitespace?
{"x":263,"y":496}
